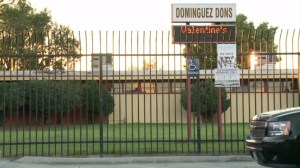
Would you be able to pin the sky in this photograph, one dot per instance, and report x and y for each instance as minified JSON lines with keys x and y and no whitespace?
{"x":156,"y":14}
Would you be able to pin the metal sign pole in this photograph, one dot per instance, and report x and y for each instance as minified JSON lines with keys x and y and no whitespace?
{"x":220,"y":112}
{"x":198,"y":116}
{"x":189,"y":95}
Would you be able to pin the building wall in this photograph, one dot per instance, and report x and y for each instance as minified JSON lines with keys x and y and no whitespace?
{"x":166,"y":108}
{"x":245,"y":105}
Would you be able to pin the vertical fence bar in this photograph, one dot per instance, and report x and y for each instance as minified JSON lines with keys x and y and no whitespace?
{"x":48,"y":102}
{"x":172,"y":88}
{"x":261,"y":56}
{"x":93,"y":94}
{"x":43,"y":97}
{"x":23,"y":105}
{"x":114,"y":115}
{"x":30,"y":102}
{"x":55,"y":103}
{"x":160,"y":122}
{"x":101,"y":133}
{"x":273,"y":74}
{"x":126,"y":98}
{"x":73,"y":138}
{"x":66,"y":140}
{"x":243,"y":61}
{"x":248,"y":71}
{"x":101,"y":101}
{"x":60,"y":104}
{"x":144,"y":89}
{"x":181,"y":88}
{"x":168,"y":83}
{"x":266,"y":82}
{"x":10,"y":101}
{"x":280,"y":67}
{"x":17,"y":103}
{"x":171,"y":83}
{"x":140,"y":34}
{"x":286,"y":70}
{"x":108,"y":139}
{"x":81,"y":103}
{"x":120,"y":112}
{"x":86,"y":125}
{"x":35,"y":57}
{"x":132,"y":99}
{"x":293,"y":67}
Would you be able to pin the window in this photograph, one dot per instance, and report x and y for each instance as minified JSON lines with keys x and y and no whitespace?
{"x":256,"y":86}
{"x":125,"y":87}
{"x":148,"y":87}
{"x":131,"y":87}
{"x":117,"y":88}
{"x":177,"y":87}
{"x":163,"y":87}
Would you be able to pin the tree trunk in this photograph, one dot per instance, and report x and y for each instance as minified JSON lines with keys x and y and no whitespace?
{"x":210,"y":119}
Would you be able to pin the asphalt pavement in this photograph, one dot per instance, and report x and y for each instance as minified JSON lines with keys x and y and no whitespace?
{"x":233,"y":161}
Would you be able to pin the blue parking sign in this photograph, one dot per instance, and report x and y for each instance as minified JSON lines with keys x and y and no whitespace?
{"x":193,"y":67}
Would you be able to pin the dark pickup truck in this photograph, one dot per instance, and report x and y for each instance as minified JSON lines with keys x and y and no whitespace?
{"x":274,"y":139}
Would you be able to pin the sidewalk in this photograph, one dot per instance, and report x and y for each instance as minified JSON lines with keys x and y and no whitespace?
{"x":233,"y":161}
{"x":130,"y":160}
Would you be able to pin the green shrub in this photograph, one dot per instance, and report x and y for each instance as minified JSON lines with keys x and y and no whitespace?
{"x":49,"y":97}
{"x":205,"y":97}
{"x":12,"y":98}
{"x":46,"y":97}
{"x":91,"y":98}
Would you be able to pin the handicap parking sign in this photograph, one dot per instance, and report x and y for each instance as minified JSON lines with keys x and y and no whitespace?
{"x":193,"y":67}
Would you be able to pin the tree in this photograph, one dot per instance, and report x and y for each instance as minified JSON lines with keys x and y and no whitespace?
{"x":4,"y":2}
{"x":150,"y":65}
{"x":62,"y":42}
{"x":251,"y":40}
{"x":248,"y":40}
{"x":205,"y":97}
{"x":30,"y":41}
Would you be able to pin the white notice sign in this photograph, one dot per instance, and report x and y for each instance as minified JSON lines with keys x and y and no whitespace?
{"x":227,"y":77}
{"x":226,"y":56}
{"x":227,"y":73}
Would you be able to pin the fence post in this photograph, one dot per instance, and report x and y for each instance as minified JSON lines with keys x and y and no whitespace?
{"x":101,"y":104}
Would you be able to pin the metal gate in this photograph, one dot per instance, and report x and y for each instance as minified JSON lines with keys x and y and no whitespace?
{"x":124,"y":92}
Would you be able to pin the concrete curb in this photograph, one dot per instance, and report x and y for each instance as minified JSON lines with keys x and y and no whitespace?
{"x":132,"y":160}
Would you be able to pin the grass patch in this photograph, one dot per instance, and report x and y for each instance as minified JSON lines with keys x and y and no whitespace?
{"x":122,"y":139}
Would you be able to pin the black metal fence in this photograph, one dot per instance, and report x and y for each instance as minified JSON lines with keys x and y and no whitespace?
{"x":56,"y":100}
